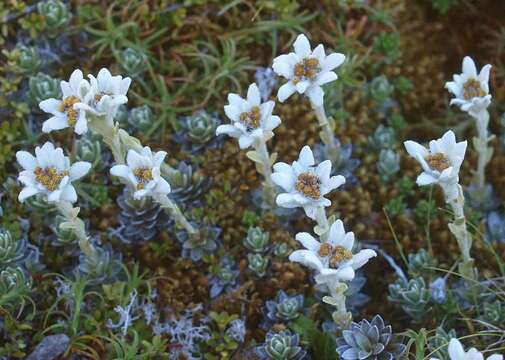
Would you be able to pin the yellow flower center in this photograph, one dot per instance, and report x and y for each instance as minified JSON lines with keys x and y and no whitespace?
{"x":325,"y":250}
{"x":49,"y":177}
{"x":143,"y":175}
{"x":306,"y":69}
{"x":472,"y":89}
{"x":67,"y":106}
{"x":339,"y":255}
{"x":438,"y":161}
{"x":252,"y":118}
{"x":309,"y":185}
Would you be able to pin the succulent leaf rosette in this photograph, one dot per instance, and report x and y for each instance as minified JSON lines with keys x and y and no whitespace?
{"x":369,"y":340}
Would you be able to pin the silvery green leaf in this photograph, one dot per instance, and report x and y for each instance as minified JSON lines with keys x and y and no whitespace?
{"x":254,"y":156}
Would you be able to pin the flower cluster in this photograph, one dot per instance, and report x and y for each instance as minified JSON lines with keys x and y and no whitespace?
{"x":306,"y":70}
{"x":49,"y":174}
{"x":305,"y":184}
{"x":83,"y":99}
{"x":441,"y":162}
{"x":142,"y":173}
{"x":252,"y":120}
{"x":332,"y":259}
{"x":470,"y":89}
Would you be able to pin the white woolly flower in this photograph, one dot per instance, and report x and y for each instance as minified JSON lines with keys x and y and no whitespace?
{"x":304,"y":183}
{"x":306,"y":70}
{"x":440,"y":163}
{"x":251,"y":120}
{"x":49,"y":173}
{"x":471,"y":90}
{"x":142,"y":173}
{"x":332,"y":259}
{"x":109,"y":92}
{"x":71,"y":110}
{"x":457,"y":352}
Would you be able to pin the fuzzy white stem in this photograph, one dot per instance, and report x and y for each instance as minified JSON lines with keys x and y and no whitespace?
{"x":119,"y":142}
{"x":322,"y":222}
{"x":481,"y":146}
{"x":166,"y":203}
{"x":459,"y":230}
{"x":74,"y":223}
{"x":268,"y":185}
{"x":327,"y":136}
{"x":337,"y":298}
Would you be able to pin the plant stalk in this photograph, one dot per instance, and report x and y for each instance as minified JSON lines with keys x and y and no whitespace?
{"x":332,"y":147}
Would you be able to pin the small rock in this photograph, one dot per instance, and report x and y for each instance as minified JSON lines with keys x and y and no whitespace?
{"x":50,"y":347}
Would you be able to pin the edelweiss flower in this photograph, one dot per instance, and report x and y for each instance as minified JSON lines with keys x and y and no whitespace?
{"x":332,"y":259}
{"x":252,"y":120}
{"x":471,"y":90}
{"x":109,"y":92}
{"x":440,"y":163}
{"x":305,"y":185}
{"x":306,"y":70}
{"x":71,"y":110}
{"x":143,"y":173}
{"x":457,"y":352}
{"x":49,"y":173}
